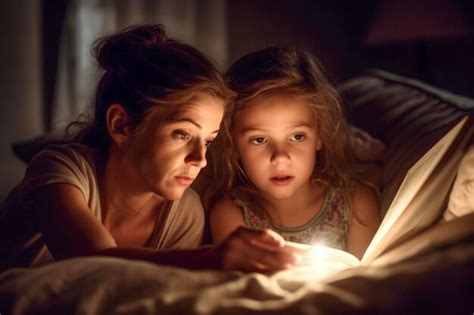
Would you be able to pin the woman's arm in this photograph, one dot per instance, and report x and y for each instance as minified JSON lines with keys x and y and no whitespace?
{"x":244,"y":249}
{"x":67,"y":224}
{"x":71,"y":230}
{"x":363,"y":221}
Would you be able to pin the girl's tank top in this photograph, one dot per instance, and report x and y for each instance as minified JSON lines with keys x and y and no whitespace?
{"x":328,"y":227}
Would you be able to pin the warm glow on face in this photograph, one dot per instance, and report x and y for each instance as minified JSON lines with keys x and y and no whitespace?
{"x":276,"y":139}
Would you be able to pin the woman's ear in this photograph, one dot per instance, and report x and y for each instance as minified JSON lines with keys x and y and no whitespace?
{"x":119,"y":123}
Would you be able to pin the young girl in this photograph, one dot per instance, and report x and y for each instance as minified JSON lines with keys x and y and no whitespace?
{"x":123,"y":189}
{"x":287,"y":162}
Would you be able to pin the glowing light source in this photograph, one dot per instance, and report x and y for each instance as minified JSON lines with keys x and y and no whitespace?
{"x":319,"y":261}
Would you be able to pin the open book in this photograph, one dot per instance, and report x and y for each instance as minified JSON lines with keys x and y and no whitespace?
{"x":419,"y":203}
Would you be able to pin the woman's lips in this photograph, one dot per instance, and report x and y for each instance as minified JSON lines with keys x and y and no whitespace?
{"x":184,"y":180}
{"x":281,"y":180}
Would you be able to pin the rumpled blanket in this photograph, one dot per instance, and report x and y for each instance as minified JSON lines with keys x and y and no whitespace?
{"x":437,"y":281}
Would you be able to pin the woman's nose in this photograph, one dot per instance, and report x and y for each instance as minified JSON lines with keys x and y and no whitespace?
{"x":197,"y":155}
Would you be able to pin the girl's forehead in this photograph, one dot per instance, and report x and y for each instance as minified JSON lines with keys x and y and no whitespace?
{"x":275,"y":111}
{"x":292,"y":104}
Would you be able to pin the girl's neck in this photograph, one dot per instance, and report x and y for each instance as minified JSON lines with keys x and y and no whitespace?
{"x":120,"y":195}
{"x":304,"y":204}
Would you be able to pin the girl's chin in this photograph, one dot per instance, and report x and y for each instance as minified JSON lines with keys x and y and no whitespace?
{"x":279,"y":195}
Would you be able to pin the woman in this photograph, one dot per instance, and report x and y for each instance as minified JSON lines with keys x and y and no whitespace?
{"x":123,"y":188}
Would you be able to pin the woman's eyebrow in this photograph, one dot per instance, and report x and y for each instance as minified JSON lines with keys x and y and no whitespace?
{"x":189,"y":120}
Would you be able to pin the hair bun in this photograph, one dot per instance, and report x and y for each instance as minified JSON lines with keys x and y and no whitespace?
{"x":122,"y":49}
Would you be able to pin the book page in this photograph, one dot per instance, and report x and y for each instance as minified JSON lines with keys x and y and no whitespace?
{"x":411,"y":187}
{"x":319,"y":262}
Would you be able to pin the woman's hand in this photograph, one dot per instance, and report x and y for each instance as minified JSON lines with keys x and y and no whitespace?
{"x":254,"y":250}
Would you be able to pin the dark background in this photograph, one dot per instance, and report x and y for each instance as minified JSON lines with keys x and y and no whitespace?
{"x":335,"y":31}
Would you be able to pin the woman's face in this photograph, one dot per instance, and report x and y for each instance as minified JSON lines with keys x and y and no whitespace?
{"x":166,"y":157}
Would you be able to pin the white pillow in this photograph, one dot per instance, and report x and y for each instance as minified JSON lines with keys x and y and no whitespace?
{"x":461,"y":198}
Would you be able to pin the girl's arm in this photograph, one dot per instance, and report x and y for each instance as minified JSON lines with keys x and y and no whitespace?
{"x":363,"y":221}
{"x":70,"y":230}
{"x":225,"y":218}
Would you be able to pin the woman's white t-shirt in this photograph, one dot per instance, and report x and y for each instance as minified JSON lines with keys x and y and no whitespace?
{"x":21,"y":243}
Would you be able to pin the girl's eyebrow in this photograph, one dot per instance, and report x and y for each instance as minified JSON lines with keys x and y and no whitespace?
{"x":297,"y":125}
{"x":303,"y":124}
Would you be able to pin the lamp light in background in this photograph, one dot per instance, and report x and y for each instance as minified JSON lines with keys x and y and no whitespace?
{"x":418,"y":22}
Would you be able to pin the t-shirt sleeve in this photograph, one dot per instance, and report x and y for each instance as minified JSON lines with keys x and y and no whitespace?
{"x":57,"y":164}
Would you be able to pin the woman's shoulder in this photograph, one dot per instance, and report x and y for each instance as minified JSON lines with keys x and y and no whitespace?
{"x":64,"y":163}
{"x":189,"y":204}
{"x":68,"y":152}
{"x":190,"y":196}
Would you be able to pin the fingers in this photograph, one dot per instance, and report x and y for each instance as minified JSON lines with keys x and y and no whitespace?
{"x":297,"y":248}
{"x":266,"y":239}
{"x":255,"y":250}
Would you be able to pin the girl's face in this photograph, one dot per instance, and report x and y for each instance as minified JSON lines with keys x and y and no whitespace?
{"x":276,"y":140}
{"x":166,"y":157}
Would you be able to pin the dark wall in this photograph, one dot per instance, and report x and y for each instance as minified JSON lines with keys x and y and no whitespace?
{"x":336,"y":30}
{"x":20,"y":88}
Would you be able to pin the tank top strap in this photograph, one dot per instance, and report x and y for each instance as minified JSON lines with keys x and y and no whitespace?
{"x":253,"y":219}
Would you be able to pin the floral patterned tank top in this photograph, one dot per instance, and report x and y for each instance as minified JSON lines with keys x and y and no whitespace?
{"x":328,"y":227}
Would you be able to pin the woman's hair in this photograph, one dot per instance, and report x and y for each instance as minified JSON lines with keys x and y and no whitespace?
{"x":146,"y":71}
{"x":283,"y":71}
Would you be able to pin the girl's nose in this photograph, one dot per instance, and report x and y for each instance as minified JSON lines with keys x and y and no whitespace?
{"x":279,"y":155}
{"x":197,"y":155}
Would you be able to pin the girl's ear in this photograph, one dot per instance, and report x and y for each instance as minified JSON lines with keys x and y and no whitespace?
{"x":319,"y":145}
{"x":119,"y":123}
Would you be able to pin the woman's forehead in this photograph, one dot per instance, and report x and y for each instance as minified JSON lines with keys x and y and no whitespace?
{"x":197,"y":105}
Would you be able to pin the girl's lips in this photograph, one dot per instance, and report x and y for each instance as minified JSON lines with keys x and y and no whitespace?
{"x":184,"y":180}
{"x":281,"y":180}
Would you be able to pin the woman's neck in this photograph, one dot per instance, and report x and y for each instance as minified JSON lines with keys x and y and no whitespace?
{"x":121,"y":195}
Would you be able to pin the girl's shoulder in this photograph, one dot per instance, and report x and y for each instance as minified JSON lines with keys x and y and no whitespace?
{"x":225,"y":217}
{"x":225,"y":205}
{"x":227,"y":208}
{"x":364,"y":203}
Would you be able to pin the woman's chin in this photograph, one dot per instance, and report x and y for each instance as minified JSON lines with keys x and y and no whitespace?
{"x":173,"y":194}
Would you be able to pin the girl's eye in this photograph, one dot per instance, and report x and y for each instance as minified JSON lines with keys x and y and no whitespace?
{"x":298,"y":137}
{"x":258,"y":140}
{"x":181,"y":135}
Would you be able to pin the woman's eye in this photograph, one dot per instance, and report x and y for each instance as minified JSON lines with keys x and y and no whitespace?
{"x":208,"y":143}
{"x":258,"y":140}
{"x":298,"y":137}
{"x":181,"y":135}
